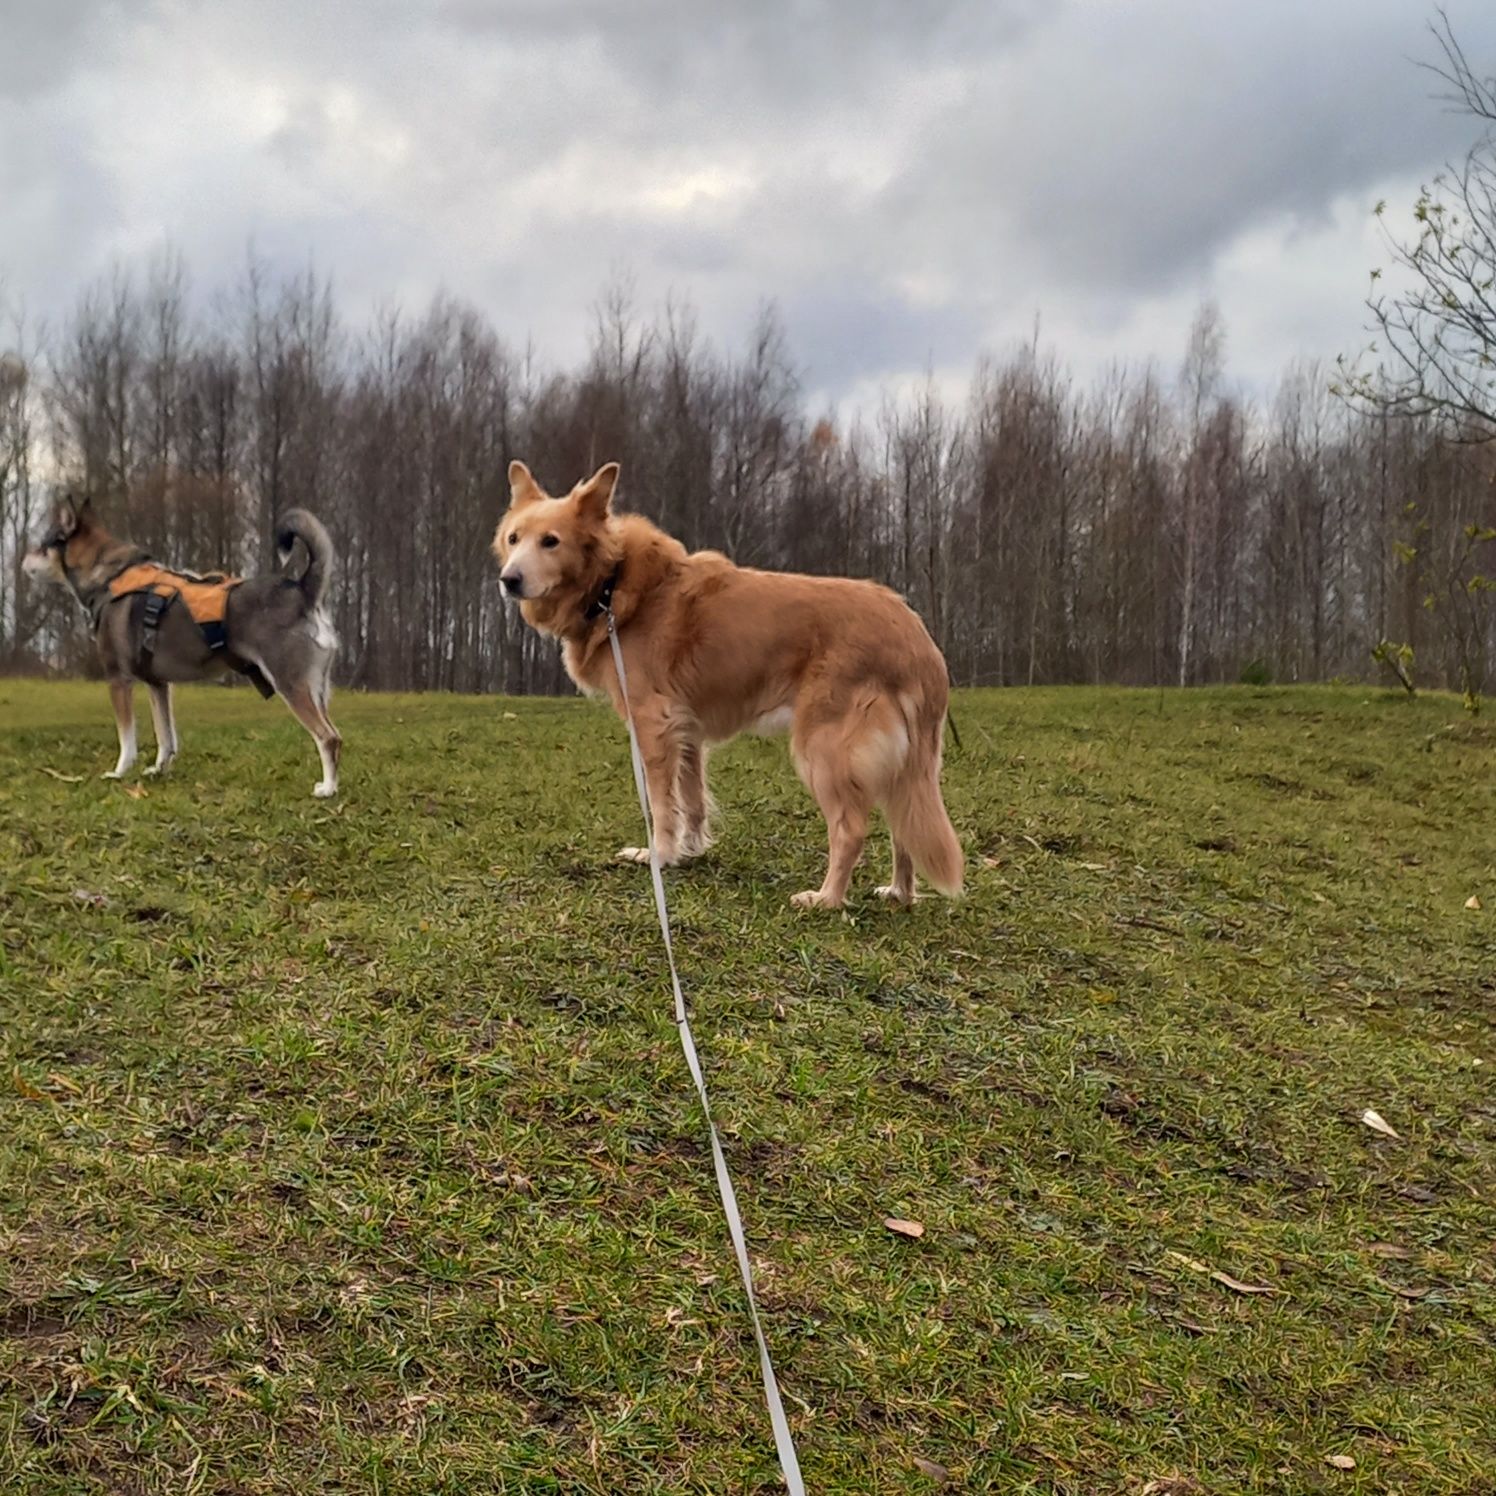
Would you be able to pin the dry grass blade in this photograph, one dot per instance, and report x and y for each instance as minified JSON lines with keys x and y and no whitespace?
{"x":1404,"y":1292}
{"x":931,"y":1469}
{"x":1237,"y":1286}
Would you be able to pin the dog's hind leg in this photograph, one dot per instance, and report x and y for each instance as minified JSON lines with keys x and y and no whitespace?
{"x":822,"y":762}
{"x":846,"y":809}
{"x":166,"y":729}
{"x":121,"y":696}
{"x":901,"y":889}
{"x":310,"y":713}
{"x":847,"y":753}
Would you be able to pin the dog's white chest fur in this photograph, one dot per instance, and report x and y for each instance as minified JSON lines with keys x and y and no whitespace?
{"x":771,"y":723}
{"x":323,"y":633}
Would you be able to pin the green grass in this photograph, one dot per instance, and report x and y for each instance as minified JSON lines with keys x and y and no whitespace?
{"x":347,"y":1147}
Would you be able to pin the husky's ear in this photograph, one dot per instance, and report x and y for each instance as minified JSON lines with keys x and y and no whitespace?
{"x":594,"y":496}
{"x":85,"y":510}
{"x":523,"y":489}
{"x":66,"y":513}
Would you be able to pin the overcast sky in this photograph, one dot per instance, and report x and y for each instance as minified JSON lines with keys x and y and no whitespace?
{"x":912,"y":181}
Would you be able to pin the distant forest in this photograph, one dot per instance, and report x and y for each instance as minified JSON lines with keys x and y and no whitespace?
{"x":1152,"y":527}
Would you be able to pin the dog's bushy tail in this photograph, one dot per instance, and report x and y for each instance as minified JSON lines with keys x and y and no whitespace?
{"x":298,"y":524}
{"x":916,"y":812}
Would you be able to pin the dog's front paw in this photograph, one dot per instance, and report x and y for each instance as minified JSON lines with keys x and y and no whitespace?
{"x":813,"y":898}
{"x":632,"y":854}
{"x":324,"y":790}
{"x":154,"y":771}
{"x":114,"y":774}
{"x":895,"y":895}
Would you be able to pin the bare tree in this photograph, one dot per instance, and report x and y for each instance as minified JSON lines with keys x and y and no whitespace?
{"x":1200,"y":378}
{"x":1135,"y":532}
{"x":1437,"y":329}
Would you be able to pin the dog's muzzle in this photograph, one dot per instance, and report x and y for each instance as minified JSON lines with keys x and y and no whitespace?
{"x":40,"y":564}
{"x":513,"y":583}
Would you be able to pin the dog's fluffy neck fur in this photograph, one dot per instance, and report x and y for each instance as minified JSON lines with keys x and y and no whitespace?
{"x":92,"y":558}
{"x":640,"y":555}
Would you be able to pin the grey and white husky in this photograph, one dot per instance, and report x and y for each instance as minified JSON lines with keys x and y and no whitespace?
{"x":160,"y":626}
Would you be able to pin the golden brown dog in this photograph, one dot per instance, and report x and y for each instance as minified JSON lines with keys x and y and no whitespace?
{"x":712,"y":649}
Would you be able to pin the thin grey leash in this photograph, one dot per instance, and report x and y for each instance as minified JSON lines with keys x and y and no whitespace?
{"x":783,"y":1442}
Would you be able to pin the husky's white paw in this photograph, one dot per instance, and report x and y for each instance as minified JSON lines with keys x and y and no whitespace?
{"x":114,"y":774}
{"x":325,"y":791}
{"x":156,"y":770}
{"x":895,"y":895}
{"x":632,"y":854}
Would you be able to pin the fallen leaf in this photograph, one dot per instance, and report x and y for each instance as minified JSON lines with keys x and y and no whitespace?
{"x":931,"y":1468}
{"x":1237,"y":1286}
{"x":1193,"y":1326}
{"x":1340,"y":1461}
{"x":912,"y":1229}
{"x":65,"y":778}
{"x":1172,"y":1485}
{"x":26,"y":1089}
{"x":1377,"y":1123}
{"x":1403,"y":1292}
{"x":511,"y":716}
{"x":1387,"y":1249}
{"x":136,"y":791}
{"x":505,"y":1178}
{"x":1473,"y":902}
{"x":1192,"y":1263}
{"x":92,"y":899}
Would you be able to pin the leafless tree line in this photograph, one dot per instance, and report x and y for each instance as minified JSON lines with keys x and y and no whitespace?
{"x":1149,"y":528}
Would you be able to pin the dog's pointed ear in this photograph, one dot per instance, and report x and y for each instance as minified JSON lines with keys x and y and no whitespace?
{"x":85,"y":510}
{"x":596,"y":494}
{"x":65,"y":513}
{"x":523,"y":489}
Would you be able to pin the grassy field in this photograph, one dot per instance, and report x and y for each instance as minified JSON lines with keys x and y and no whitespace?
{"x":347,"y":1146}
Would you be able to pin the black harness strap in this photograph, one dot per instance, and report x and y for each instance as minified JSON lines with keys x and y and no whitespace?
{"x":215,"y":635}
{"x":254,"y":675}
{"x":156,"y":603}
{"x":604,"y":599}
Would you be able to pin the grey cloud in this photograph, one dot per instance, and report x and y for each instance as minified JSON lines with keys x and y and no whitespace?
{"x":846,"y":325}
{"x":1130,"y":168}
{"x":1000,"y":156}
{"x":45,"y":43}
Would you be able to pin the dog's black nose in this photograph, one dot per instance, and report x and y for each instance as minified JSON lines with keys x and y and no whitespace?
{"x":514,"y":582}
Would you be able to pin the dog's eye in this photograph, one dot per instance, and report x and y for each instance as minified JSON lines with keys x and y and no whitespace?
{"x":514,"y":538}
{"x":551,"y":541}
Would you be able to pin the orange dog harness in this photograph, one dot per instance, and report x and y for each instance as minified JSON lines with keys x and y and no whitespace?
{"x":206,"y":599}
